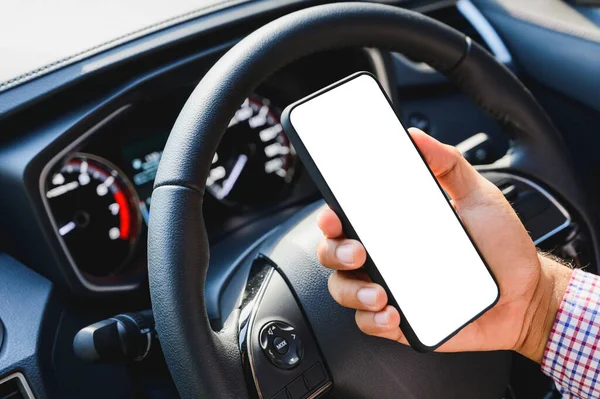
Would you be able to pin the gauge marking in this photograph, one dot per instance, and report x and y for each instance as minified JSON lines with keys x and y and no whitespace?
{"x":58,"y":179}
{"x":270,"y":133}
{"x":216,"y":174}
{"x":67,"y":228}
{"x":244,"y":112}
{"x":84,"y":179}
{"x":114,"y":233}
{"x":101,"y":190}
{"x":60,"y":190}
{"x":114,"y":208}
{"x":276,"y":149}
{"x":260,"y":119}
{"x":273,"y":165}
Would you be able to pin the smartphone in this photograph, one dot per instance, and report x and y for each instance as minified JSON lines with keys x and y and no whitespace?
{"x":373,"y":176}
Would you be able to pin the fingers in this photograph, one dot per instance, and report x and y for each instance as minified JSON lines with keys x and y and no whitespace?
{"x":344,"y":254}
{"x":384,"y":324}
{"x":329,"y":224}
{"x":373,"y":316}
{"x":452,"y":170}
{"x":334,"y":252}
{"x":351,"y":291}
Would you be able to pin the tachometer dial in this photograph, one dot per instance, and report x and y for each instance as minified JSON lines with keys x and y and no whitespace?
{"x":95,"y":211}
{"x":255,"y":160}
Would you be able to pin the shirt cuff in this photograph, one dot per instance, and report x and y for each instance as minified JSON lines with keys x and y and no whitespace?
{"x":572,"y":354}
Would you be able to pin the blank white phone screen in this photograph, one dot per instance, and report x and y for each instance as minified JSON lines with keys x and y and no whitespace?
{"x":395,"y":206}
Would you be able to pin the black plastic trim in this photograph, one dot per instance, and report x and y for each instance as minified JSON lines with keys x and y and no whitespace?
{"x":22,"y":385}
{"x":28,"y":309}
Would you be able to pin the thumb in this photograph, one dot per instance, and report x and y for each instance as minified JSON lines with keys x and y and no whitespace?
{"x":456,"y":176}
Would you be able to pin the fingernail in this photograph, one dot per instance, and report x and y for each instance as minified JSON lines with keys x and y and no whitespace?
{"x":345,"y":254}
{"x":381,"y":318}
{"x":368,"y":296}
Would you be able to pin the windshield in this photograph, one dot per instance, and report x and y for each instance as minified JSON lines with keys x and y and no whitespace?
{"x":38,"y":36}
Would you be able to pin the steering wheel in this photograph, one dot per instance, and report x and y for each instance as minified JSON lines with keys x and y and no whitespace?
{"x":324,"y":347}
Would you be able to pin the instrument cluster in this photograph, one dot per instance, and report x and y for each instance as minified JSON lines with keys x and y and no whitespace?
{"x":100,"y":194}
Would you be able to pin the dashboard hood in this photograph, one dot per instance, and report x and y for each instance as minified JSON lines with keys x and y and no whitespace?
{"x":37,"y":37}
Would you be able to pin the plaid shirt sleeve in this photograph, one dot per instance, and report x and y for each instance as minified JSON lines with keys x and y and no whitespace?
{"x":572,"y":355}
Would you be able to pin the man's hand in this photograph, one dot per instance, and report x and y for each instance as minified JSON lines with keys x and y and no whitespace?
{"x":531,"y":286}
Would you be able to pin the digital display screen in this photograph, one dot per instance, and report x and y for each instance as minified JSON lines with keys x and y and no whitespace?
{"x":396,"y":207}
{"x":142,"y":158}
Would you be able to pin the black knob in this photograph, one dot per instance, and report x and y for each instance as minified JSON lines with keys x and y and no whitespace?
{"x":124,"y":337}
{"x":281,"y":344}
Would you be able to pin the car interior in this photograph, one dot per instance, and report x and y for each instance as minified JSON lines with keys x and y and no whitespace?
{"x":158,"y":228}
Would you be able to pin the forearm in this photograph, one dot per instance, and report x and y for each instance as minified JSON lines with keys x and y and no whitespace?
{"x":545,"y":303}
{"x":564,"y":329}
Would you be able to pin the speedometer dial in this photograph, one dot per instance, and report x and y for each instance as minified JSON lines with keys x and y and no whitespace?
{"x":255,"y":160}
{"x":95,"y":211}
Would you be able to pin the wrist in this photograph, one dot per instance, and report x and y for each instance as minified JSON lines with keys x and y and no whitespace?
{"x":543,"y":307}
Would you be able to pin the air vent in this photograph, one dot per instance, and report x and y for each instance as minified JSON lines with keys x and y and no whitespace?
{"x":15,"y":387}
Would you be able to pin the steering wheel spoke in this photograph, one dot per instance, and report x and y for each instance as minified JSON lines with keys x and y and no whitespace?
{"x":279,"y":350}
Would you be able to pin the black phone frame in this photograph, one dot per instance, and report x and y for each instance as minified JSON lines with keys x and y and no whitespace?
{"x":349,"y":231}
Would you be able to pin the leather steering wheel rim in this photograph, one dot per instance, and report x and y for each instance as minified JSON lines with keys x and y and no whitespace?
{"x":207,"y":363}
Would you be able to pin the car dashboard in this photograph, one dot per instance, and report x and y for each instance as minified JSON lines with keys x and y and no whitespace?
{"x":92,"y":183}
{"x":90,"y":180}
